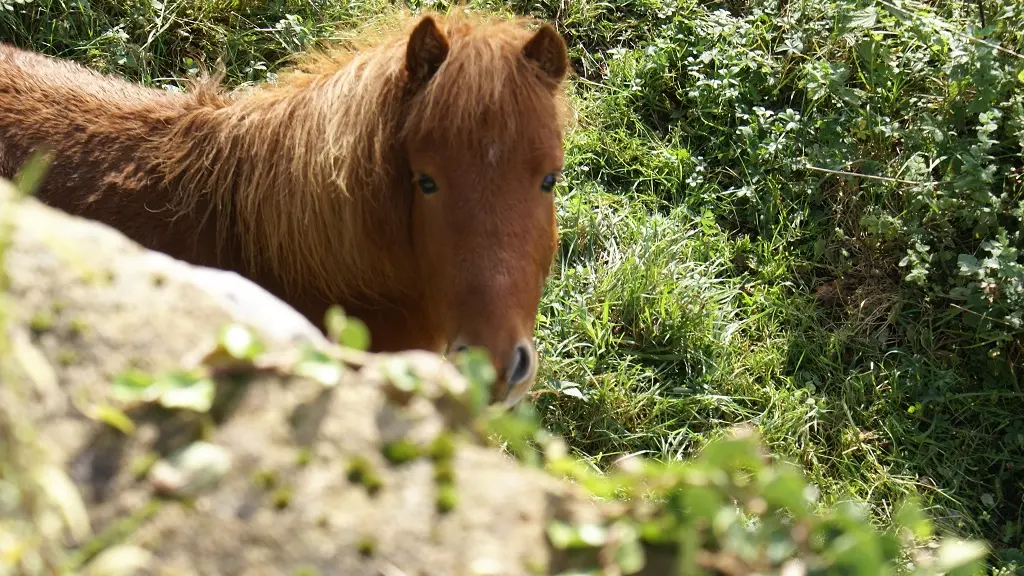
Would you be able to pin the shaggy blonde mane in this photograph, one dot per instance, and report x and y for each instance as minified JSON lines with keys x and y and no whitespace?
{"x":305,"y":173}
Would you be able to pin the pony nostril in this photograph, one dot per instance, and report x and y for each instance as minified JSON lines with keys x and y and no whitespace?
{"x":461,"y":348}
{"x":520,"y":367}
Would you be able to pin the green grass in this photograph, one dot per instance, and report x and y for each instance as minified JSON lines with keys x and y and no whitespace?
{"x":806,"y":219}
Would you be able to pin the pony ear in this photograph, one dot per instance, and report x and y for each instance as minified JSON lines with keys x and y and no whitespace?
{"x":547,"y":49}
{"x":427,"y":50}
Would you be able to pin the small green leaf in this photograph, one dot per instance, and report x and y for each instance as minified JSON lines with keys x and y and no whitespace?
{"x":346,"y":331}
{"x":196,"y":395}
{"x":134,"y":379}
{"x":326,"y":373}
{"x":733,"y":453}
{"x":447,"y":498}
{"x":704,"y":502}
{"x":563,"y":535}
{"x":30,"y":175}
{"x":334,"y":321}
{"x":786,"y":490}
{"x":135,"y":386}
{"x":401,"y":451}
{"x":475,"y":365}
{"x":911,"y":517}
{"x":819,"y":247}
{"x":959,"y":556}
{"x":593,"y":534}
{"x":318,"y":366}
{"x":354,"y":335}
{"x":560,"y":534}
{"x":120,"y":560}
{"x":630,"y":554}
{"x":192,"y":470}
{"x":114,"y":417}
{"x":240,"y":342}
{"x":399,"y":375}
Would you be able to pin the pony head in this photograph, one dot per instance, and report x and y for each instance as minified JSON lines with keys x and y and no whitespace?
{"x":483,"y":143}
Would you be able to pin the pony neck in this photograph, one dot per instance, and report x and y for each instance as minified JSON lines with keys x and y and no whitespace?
{"x":303,"y":180}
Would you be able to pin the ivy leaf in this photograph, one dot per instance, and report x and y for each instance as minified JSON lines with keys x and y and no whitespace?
{"x":733,"y":454}
{"x":630,"y":554}
{"x":121,"y":560}
{"x":134,"y":379}
{"x":134,"y":386}
{"x":183,"y":390}
{"x":355,"y":335}
{"x":786,"y":490}
{"x":561,"y":534}
{"x":400,"y":375}
{"x":193,"y":470}
{"x":968,"y":264}
{"x":346,"y":331}
{"x":475,"y":363}
{"x":318,"y":366}
{"x":960,"y":557}
{"x":239,"y":342}
{"x":911,"y":517}
{"x":334,"y":321}
{"x":592,"y":534}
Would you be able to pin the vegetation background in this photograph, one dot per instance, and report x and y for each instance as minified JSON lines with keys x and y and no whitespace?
{"x":805,"y":215}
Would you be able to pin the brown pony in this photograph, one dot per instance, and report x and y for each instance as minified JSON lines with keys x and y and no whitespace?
{"x":409,"y":182}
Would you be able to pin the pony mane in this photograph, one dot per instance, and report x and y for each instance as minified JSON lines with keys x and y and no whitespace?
{"x":300,"y":172}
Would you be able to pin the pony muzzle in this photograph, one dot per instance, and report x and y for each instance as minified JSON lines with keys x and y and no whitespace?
{"x":515,"y":367}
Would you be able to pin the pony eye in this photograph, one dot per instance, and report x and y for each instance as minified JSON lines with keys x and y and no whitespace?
{"x":427,"y":184}
{"x":549,"y":182}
